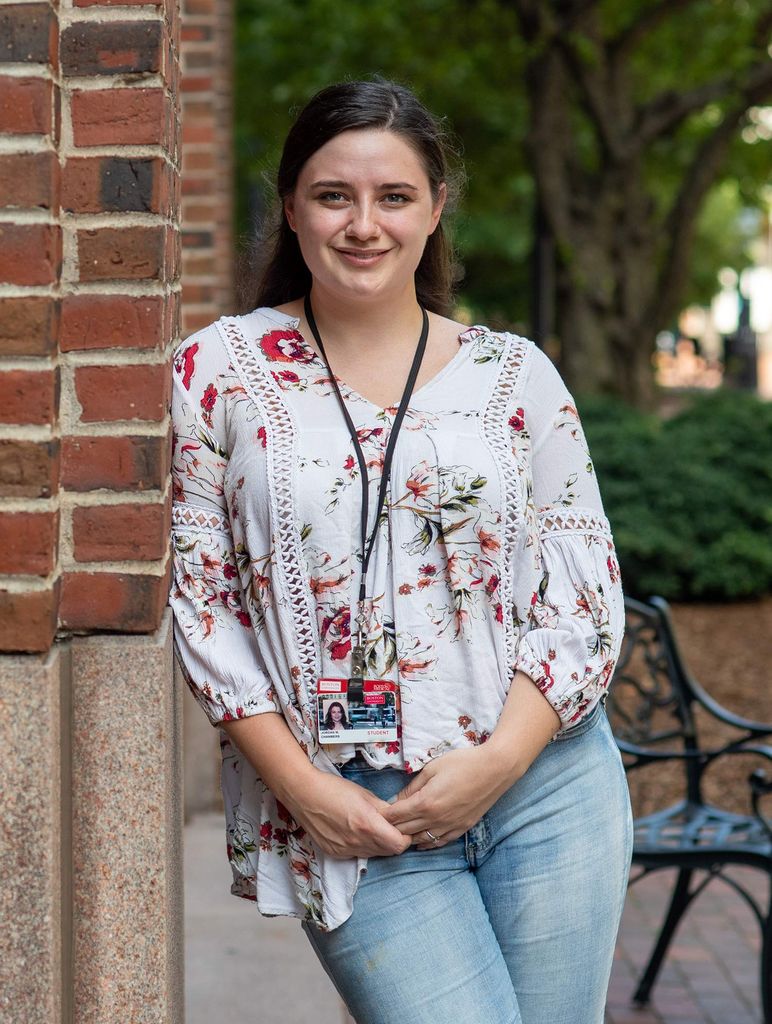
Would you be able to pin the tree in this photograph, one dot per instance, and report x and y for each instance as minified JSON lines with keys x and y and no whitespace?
{"x":594,"y":132}
{"x":621,"y":247}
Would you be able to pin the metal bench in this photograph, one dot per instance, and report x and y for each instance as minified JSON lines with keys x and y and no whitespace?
{"x":651,"y":706}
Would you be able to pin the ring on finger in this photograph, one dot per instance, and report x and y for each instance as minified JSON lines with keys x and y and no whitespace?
{"x":435,"y":839}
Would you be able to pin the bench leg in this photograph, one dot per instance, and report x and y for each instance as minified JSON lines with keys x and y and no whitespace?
{"x":679,"y":901}
{"x":766,"y":965}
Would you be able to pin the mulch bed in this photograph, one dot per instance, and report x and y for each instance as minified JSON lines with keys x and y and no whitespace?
{"x":728,"y":649}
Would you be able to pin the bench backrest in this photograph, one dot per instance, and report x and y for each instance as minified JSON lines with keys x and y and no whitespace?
{"x":652,"y":698}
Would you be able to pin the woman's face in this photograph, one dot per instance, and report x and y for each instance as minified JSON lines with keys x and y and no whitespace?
{"x":362,"y":210}
{"x":336,"y":713}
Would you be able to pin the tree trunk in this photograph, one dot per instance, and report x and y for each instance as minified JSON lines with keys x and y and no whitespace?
{"x":621,"y":264}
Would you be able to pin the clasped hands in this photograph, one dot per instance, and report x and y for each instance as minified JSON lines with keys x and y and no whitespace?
{"x":448,"y":797}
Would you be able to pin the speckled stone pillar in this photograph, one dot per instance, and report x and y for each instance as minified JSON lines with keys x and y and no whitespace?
{"x":127,"y":830}
{"x":33,"y":835}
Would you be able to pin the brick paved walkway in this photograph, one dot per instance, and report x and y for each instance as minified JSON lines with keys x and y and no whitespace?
{"x":711,"y":974}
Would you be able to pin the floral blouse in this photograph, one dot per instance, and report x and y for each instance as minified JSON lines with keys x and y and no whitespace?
{"x":492,"y":555}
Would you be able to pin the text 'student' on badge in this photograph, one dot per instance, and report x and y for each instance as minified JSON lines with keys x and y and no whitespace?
{"x":357,"y":710}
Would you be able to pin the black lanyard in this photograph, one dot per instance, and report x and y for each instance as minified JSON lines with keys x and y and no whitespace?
{"x":358,"y":654}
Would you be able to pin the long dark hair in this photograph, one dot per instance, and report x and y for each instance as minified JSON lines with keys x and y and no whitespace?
{"x":328,"y":722}
{"x":277,"y":272}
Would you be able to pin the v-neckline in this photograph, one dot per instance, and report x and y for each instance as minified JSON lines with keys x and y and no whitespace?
{"x":345,"y":388}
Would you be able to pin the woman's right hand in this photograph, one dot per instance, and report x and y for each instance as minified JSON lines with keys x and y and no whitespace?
{"x":344,"y":819}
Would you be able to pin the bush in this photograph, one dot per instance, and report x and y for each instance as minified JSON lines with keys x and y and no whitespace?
{"x":689,"y":498}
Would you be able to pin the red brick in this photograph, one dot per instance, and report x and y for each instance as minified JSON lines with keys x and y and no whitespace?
{"x":28,"y":326}
{"x":114,"y":184}
{"x":196,"y":320}
{"x":111,"y":48}
{"x":195,"y":60}
{"x":116,"y":463}
{"x":172,"y":254}
{"x":30,"y":253}
{"x":197,"y":83}
{"x":29,"y":469}
{"x":172,"y":316}
{"x":29,"y":179}
{"x":120,"y":602}
{"x":28,"y":620}
{"x":106,"y":117}
{"x":28,"y":542}
{"x":135,"y":254}
{"x":28,"y":32}
{"x":197,"y":294}
{"x":198,"y":160}
{"x":194,"y":265}
{"x":198,"y":133}
{"x":29,"y":396}
{"x":109,"y":393}
{"x":117,"y":533}
{"x":25,"y":105}
{"x":196,"y":34}
{"x":111,"y":321}
{"x":168,"y":196}
{"x":199,"y":212}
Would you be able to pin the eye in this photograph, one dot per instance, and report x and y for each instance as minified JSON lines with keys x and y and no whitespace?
{"x":331,"y":197}
{"x":396,"y":198}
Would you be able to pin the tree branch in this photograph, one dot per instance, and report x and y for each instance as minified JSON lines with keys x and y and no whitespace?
{"x":595,"y":94}
{"x":665,"y":112}
{"x":680,"y":221}
{"x":531,"y":15}
{"x":546,"y":21}
{"x":620,"y":45}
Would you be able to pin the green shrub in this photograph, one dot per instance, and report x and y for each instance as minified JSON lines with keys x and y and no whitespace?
{"x":689,"y":498}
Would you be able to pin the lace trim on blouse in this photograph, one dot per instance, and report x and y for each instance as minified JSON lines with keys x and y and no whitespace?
{"x":494,"y":430}
{"x":281,"y":449}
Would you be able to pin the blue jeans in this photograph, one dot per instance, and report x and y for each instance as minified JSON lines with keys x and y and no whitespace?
{"x":513,"y":923}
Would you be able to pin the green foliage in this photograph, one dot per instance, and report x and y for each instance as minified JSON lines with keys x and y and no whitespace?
{"x":468,"y":63}
{"x":690,"y":498}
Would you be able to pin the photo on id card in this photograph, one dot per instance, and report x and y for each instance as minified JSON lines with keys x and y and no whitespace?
{"x":357,"y":714}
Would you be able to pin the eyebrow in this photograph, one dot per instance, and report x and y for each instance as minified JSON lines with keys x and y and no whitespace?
{"x":346,"y":184}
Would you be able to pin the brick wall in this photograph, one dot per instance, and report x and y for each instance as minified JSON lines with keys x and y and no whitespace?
{"x":207,"y":189}
{"x":89,"y":309}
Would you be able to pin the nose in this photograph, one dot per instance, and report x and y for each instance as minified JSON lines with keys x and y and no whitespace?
{"x":363,"y":224}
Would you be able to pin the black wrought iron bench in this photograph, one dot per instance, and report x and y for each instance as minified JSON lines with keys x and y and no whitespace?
{"x":651,"y":706}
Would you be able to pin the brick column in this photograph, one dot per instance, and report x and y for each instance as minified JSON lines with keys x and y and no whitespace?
{"x":30,"y":265}
{"x":119,"y":311}
{"x":89,"y":306}
{"x":207,"y":265}
{"x":207,"y":145}
{"x":89,"y":260}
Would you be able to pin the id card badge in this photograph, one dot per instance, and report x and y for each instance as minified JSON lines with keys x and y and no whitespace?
{"x":357,"y":710}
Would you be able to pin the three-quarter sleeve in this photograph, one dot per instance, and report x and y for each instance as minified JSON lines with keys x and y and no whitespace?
{"x":214,"y":638}
{"x":576,"y":619}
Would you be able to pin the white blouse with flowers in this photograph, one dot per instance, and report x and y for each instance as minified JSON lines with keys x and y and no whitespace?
{"x":492,"y":554}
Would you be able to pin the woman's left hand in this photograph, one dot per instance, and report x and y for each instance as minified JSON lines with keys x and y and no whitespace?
{"x":449,"y":795}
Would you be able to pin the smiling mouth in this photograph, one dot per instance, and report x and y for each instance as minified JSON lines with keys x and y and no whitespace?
{"x":363,"y":254}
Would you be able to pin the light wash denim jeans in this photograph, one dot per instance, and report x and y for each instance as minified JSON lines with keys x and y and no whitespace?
{"x":513,"y":923}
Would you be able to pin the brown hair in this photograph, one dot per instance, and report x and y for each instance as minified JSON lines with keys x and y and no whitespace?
{"x":277,"y":271}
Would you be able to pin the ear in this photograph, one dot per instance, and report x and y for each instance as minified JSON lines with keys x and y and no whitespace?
{"x":289,"y":211}
{"x":442,"y":195}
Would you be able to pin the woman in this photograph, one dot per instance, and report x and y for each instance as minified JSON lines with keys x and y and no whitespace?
{"x":335,"y":718}
{"x":475,"y":863}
